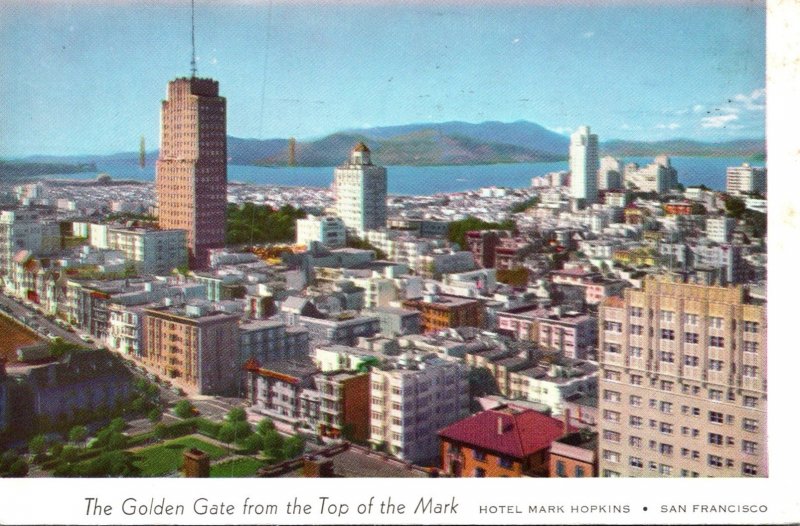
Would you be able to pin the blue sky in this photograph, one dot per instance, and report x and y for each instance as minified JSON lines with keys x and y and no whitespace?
{"x":86,"y":76}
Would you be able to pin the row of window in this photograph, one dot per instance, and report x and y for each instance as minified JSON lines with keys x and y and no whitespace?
{"x":715,"y":322}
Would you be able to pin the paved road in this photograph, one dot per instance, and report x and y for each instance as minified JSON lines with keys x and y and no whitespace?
{"x":28,"y":316}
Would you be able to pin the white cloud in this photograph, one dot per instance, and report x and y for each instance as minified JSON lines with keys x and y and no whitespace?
{"x":588,"y":34}
{"x":515,"y":41}
{"x":670,"y":126}
{"x":563,"y":130}
{"x":698,"y":108}
{"x":718,"y":121}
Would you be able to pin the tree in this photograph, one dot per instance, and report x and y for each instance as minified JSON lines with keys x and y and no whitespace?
{"x":154,"y":415}
{"x":78,"y":434}
{"x":56,"y":450}
{"x":273,"y":445}
{"x":8,"y":458}
{"x":294,"y":446}
{"x":19,"y":468}
{"x":253,"y":443}
{"x":367,"y":364}
{"x":226,"y":433}
{"x":264,"y":426}
{"x":37,"y":445}
{"x":237,"y":414}
{"x":184,"y":409}
{"x":118,"y":424}
{"x":734,"y":207}
{"x":457,"y":230}
{"x":69,"y":454}
{"x":698,"y":209}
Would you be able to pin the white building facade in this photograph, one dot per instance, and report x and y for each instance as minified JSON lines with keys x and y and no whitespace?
{"x":583,"y":165}
{"x":360,"y":189}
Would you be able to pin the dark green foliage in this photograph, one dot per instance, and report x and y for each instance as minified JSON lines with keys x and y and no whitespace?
{"x":734,"y":207}
{"x":356,"y":242}
{"x":264,"y":426}
{"x":367,"y":364}
{"x":107,"y":464}
{"x":184,"y":409}
{"x":457,"y":230}
{"x":294,"y":446}
{"x":7,"y":459}
{"x":207,"y":427}
{"x":252,"y":444}
{"x":234,"y":431}
{"x":78,"y":434}
{"x":56,"y":449}
{"x":698,"y":209}
{"x":273,"y":445}
{"x":178,"y":429}
{"x":154,"y":415}
{"x":59,"y":347}
{"x":37,"y":445}
{"x":253,"y":223}
{"x":237,"y":414}
{"x":70,"y":454}
{"x":757,"y":221}
{"x":118,"y":424}
{"x":19,"y":468}
{"x":525,"y":205}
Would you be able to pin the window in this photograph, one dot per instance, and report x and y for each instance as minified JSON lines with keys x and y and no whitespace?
{"x":691,"y":361}
{"x":715,"y":365}
{"x":715,"y":439}
{"x":667,"y":315}
{"x":611,"y":396}
{"x":397,"y":421}
{"x":637,"y":380}
{"x":750,"y":401}
{"x":668,"y":357}
{"x":579,"y":472}
{"x":685,"y":452}
{"x":636,"y":312}
{"x":750,"y":424}
{"x":750,"y":371}
{"x":653,"y":403}
{"x":666,"y":428}
{"x":715,"y":417}
{"x":653,"y":445}
{"x":665,"y":449}
{"x":636,"y":462}
{"x":685,"y":409}
{"x":611,"y":436}
{"x":479,"y":455}
{"x":611,"y":416}
{"x":613,"y":376}
{"x":637,"y":330}
{"x":715,"y":322}
{"x":611,"y":456}
{"x":749,"y":447}
{"x":613,"y":348}
{"x":506,"y":463}
{"x":667,"y":334}
{"x":635,"y":442}
{"x":716,"y":341}
{"x":666,"y":386}
{"x":612,"y":326}
{"x":561,"y":469}
{"x":690,"y":319}
{"x":749,"y":470}
{"x":653,"y":424}
{"x":750,"y":346}
{"x":396,"y":390}
{"x":635,"y":421}
{"x":610,"y":474}
{"x":635,"y":352}
{"x":636,"y":401}
{"x":652,"y":466}
{"x":665,"y":470}
{"x":715,"y":461}
{"x":715,"y":394}
{"x":751,"y":327}
{"x":691,"y":337}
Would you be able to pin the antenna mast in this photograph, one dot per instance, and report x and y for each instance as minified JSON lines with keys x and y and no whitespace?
{"x":194,"y":61}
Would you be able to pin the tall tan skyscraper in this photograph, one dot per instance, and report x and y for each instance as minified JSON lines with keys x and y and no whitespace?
{"x":191,"y":171}
{"x":683,"y":382}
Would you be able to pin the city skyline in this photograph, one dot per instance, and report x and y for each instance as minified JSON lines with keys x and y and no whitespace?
{"x":412,"y":63}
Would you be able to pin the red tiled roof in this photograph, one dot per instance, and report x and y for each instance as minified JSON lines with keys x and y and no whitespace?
{"x":523,"y":433}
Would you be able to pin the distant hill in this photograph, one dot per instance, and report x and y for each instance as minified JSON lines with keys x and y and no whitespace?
{"x":446,"y":143}
{"x":24,"y":169}
{"x":685,"y":147}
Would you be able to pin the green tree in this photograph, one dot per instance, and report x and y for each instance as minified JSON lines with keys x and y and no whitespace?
{"x":78,"y":434}
{"x":19,"y":468}
{"x":8,"y":458}
{"x":37,"y":445}
{"x":734,"y":207}
{"x":264,"y":426}
{"x":237,"y":414}
{"x":294,"y":446}
{"x":367,"y":364}
{"x":154,"y":415}
{"x":56,"y":449}
{"x":69,"y":454}
{"x":273,"y":445}
{"x":457,"y":230}
{"x":118,"y":424}
{"x":184,"y":409}
{"x":253,"y":443}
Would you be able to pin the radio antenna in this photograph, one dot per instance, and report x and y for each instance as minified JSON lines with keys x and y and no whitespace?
{"x":194,"y":55}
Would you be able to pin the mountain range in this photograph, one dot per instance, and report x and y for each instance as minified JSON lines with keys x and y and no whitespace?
{"x":447,"y":143}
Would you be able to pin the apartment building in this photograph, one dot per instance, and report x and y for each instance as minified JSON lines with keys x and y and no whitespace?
{"x":683,"y":382}
{"x":411,"y":400}
{"x":440,"y":311}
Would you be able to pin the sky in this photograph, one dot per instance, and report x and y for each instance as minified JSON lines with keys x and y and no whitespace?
{"x":87,"y":76}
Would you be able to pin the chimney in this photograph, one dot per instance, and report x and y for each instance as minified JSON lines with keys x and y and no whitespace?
{"x":567,"y":418}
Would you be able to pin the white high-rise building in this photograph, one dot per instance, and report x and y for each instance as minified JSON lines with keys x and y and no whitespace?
{"x":360,"y":189}
{"x":746,"y":179}
{"x":610,"y":175}
{"x":328,"y":230}
{"x":583,"y":165}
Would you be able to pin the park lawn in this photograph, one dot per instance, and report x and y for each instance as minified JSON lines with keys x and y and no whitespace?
{"x":239,"y":467}
{"x":163,"y":459}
